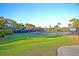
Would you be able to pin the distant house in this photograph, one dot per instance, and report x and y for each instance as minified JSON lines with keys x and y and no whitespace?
{"x":29,"y":26}
{"x":9,"y":23}
{"x":73,"y":30}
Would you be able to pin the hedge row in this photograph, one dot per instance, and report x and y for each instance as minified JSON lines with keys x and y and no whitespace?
{"x":5,"y":32}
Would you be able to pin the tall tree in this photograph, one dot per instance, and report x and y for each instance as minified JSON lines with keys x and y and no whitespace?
{"x":59,"y":24}
{"x":69,"y":25}
{"x":50,"y":28}
{"x":18,"y":26}
{"x":75,"y":23}
{"x":2,"y":22}
{"x":56,"y":28}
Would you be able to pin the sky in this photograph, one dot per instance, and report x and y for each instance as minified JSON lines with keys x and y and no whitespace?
{"x":40,"y":14}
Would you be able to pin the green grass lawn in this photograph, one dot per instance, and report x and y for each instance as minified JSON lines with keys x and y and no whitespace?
{"x":25,"y":44}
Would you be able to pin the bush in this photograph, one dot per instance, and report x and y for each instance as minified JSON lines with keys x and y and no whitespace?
{"x":5,"y":32}
{"x":2,"y":34}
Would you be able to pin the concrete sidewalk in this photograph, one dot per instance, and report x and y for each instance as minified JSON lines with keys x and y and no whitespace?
{"x":70,"y":50}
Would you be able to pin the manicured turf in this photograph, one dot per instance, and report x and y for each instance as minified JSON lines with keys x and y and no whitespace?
{"x":25,"y":44}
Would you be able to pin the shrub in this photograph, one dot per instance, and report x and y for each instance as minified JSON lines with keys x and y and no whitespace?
{"x":5,"y":32}
{"x":2,"y":34}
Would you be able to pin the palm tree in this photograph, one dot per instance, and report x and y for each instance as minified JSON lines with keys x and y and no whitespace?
{"x":56,"y":27}
{"x":50,"y":28}
{"x":69,"y":25}
{"x":59,"y":24}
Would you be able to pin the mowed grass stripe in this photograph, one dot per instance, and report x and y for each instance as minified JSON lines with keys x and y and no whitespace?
{"x":31,"y":39}
{"x":32,"y":45}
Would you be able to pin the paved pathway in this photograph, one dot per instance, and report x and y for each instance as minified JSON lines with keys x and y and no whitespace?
{"x":71,"y":50}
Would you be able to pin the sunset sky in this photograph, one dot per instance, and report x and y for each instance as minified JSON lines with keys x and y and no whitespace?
{"x":40,"y":14}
